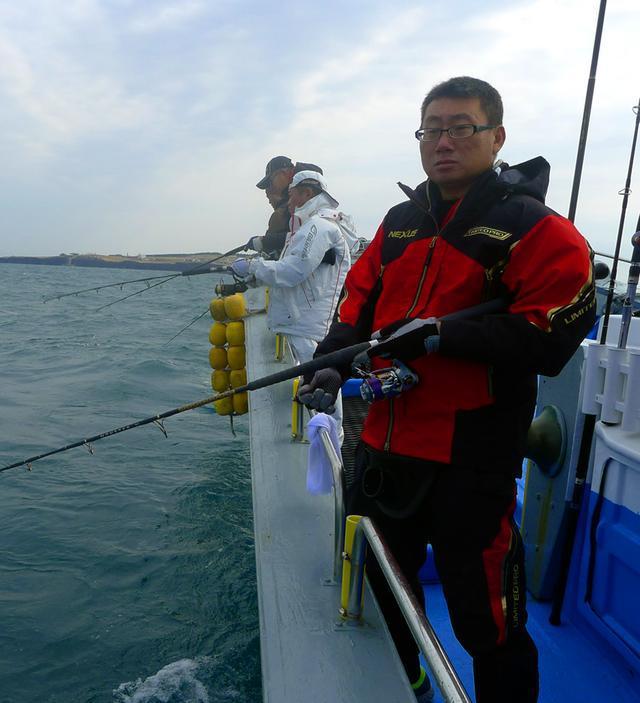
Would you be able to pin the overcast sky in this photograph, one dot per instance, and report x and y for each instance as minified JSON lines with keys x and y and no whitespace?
{"x":142,"y":126}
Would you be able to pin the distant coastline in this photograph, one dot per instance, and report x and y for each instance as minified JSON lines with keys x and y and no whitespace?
{"x":153,"y":262}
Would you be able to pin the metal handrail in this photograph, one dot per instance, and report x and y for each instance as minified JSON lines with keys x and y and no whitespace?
{"x":338,"y":494}
{"x":439,"y":663}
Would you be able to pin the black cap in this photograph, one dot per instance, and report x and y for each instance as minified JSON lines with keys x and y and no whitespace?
{"x":302,"y":166}
{"x":276,"y":163}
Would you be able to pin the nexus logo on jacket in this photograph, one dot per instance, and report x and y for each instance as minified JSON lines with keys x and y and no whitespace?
{"x":402,"y":233}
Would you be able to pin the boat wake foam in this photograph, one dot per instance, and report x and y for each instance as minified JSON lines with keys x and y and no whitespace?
{"x":175,"y":683}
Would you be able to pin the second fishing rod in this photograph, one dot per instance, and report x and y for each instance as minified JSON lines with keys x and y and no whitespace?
{"x":202,"y":268}
{"x":337,"y":358}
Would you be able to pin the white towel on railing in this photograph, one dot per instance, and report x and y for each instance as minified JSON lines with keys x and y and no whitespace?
{"x":319,"y":474}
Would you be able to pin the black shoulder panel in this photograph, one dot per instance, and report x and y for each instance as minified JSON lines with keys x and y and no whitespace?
{"x":404,"y":224}
{"x":489,"y":236}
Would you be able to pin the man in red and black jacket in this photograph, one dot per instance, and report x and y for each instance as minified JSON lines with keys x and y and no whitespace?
{"x":439,"y":461}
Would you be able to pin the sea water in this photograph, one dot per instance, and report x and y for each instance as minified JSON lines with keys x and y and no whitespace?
{"x":126,"y":576}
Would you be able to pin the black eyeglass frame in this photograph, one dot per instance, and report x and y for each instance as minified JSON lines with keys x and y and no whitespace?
{"x":419,"y":133}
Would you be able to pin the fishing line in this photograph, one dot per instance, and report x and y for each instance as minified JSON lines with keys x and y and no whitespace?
{"x":186,"y":327}
{"x":337,"y":358}
{"x":238,"y":286}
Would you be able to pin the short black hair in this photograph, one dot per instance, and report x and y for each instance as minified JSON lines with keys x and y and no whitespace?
{"x":467,"y":87}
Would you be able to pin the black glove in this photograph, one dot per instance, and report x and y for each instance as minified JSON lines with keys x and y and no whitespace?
{"x":329,"y":257}
{"x":404,"y":339}
{"x":254,"y":243}
{"x":321,"y":392}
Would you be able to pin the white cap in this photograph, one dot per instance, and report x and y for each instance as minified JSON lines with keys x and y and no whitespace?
{"x":312,"y":178}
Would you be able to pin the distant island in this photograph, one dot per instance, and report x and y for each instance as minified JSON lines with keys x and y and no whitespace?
{"x":158,"y":262}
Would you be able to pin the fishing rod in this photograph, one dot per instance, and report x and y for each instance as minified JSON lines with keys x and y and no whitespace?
{"x":336,"y":358}
{"x":217,"y":269}
{"x":572,"y":511}
{"x":586,"y":115}
{"x":625,"y":323}
{"x":108,"y":285}
{"x":193,"y":271}
{"x":625,"y":192}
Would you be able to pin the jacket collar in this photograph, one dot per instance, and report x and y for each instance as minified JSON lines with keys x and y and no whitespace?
{"x":528,"y":178}
{"x":312,"y":207}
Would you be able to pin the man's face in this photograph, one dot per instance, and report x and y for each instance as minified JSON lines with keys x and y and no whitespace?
{"x":273,"y":197}
{"x":280,"y":181}
{"x":453,"y":164}
{"x":298,"y":196}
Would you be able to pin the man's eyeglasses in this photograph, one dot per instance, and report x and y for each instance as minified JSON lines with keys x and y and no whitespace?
{"x":458,"y":131}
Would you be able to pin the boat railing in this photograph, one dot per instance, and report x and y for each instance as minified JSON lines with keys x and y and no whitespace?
{"x":366,"y":533}
{"x":339,"y":512}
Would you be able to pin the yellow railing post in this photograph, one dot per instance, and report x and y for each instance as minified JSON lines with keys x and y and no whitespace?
{"x":350,"y":570}
{"x":297,"y":414}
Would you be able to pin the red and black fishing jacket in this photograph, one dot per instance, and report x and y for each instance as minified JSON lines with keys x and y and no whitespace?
{"x":476,"y":396}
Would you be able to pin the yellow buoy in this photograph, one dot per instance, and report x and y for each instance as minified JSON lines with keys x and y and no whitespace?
{"x":220,"y":380}
{"x":218,"y":334}
{"x":234,"y":306}
{"x":238,"y":378}
{"x":218,"y":357}
{"x":235,"y":333}
{"x":240,"y":403}
{"x":216,"y":308}
{"x":224,"y":406}
{"x":236,"y":357}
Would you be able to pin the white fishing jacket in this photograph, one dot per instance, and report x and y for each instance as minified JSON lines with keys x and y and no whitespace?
{"x":303,"y":291}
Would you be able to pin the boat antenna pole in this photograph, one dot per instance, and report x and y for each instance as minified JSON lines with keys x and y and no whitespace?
{"x":204,"y":267}
{"x":570,"y":517}
{"x":336,"y":358}
{"x":586,"y":115}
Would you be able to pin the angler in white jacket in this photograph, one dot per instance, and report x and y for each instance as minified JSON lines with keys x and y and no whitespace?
{"x":305,"y":283}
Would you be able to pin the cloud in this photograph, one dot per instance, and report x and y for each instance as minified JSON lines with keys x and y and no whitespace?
{"x":145,"y":124}
{"x":58,"y":88}
{"x":167,"y":16}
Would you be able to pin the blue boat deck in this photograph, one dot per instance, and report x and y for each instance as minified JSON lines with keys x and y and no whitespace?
{"x":573,"y":668}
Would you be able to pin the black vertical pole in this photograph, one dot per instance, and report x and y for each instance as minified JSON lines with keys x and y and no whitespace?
{"x":570,"y":516}
{"x":586,"y":115}
{"x":616,"y":254}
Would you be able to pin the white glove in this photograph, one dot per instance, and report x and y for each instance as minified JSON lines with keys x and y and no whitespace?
{"x":240,"y":267}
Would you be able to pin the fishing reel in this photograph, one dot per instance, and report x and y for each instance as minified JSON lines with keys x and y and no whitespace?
{"x":385,"y":383}
{"x":238,"y":286}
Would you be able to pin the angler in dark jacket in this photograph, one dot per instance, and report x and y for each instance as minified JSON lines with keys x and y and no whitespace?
{"x":440,"y":460}
{"x":279,"y":173}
